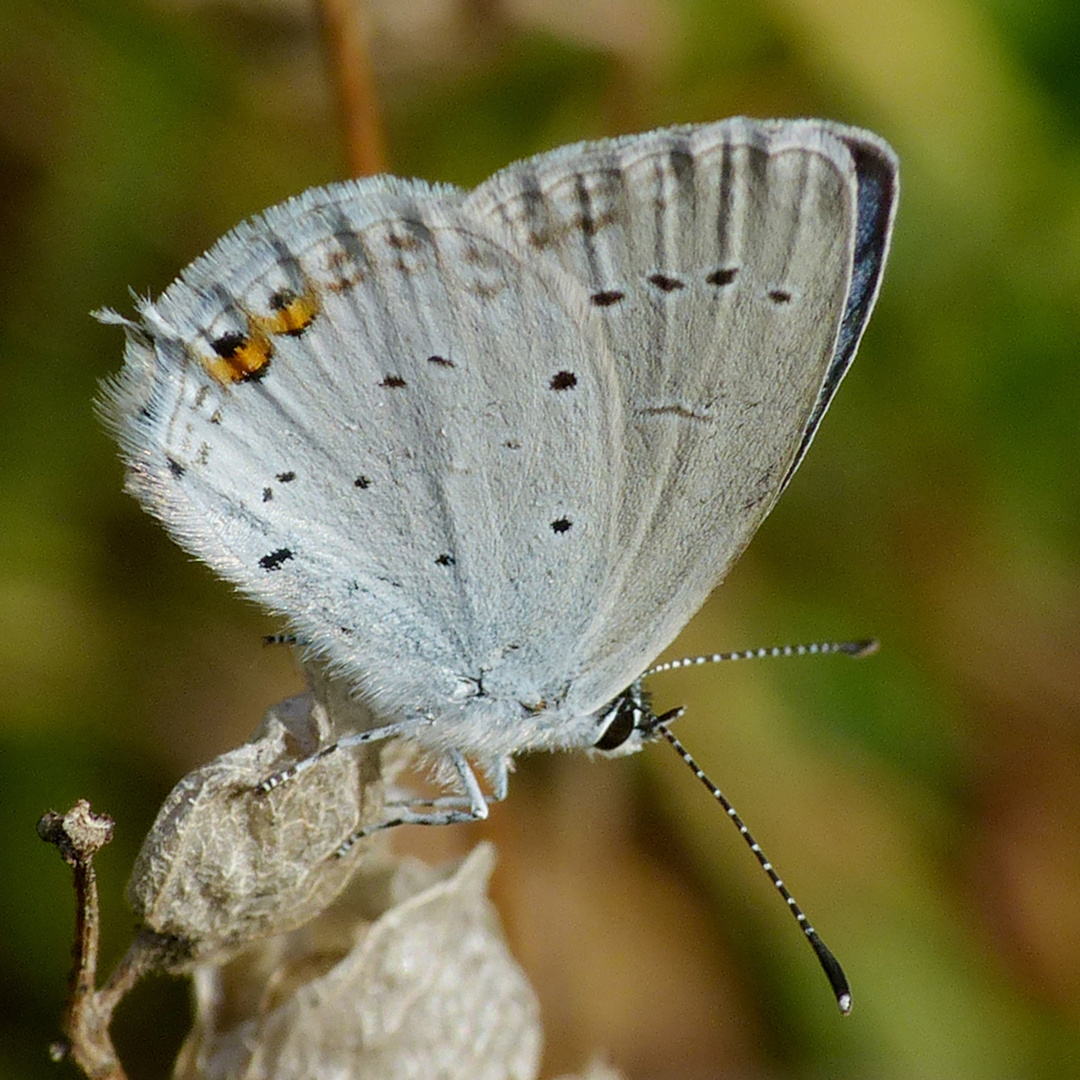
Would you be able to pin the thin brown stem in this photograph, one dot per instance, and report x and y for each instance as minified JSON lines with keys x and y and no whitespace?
{"x":79,"y":835}
{"x":345,"y":40}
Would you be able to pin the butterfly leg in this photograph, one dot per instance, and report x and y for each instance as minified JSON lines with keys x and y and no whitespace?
{"x":471,"y":805}
{"x":499,"y":777}
{"x":401,"y":729}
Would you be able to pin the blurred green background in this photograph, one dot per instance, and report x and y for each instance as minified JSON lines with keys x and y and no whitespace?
{"x":923,"y":805}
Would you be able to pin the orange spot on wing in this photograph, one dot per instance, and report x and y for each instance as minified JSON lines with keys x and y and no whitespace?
{"x":248,"y":356}
{"x":248,"y":360}
{"x":292,"y":314}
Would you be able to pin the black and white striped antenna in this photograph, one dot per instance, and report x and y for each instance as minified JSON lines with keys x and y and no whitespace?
{"x":830,"y":965}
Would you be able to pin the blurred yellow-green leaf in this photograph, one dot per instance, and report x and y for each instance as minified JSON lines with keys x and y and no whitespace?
{"x":924,"y":805}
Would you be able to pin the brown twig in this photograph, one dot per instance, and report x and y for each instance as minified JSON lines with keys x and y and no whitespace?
{"x":345,"y":40}
{"x":79,"y":835}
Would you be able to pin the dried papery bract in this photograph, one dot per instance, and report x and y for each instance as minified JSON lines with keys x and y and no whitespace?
{"x":428,"y":989}
{"x":225,"y":865}
{"x":598,"y":1069}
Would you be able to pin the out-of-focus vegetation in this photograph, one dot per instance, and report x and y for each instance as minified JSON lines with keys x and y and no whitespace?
{"x":924,"y":805}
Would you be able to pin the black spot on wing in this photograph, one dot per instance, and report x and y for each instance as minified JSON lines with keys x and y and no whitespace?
{"x":607,"y":298}
{"x":229,"y":344}
{"x":665,"y":283}
{"x":722,"y":277}
{"x":276,"y":559}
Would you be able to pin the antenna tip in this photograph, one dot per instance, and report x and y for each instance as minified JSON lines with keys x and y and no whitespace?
{"x":859,"y":649}
{"x":833,"y":971}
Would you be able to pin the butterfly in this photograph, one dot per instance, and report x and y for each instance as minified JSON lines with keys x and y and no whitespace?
{"x":488,"y":451}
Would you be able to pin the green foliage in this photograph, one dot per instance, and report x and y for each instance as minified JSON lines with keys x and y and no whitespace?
{"x":923,"y":803}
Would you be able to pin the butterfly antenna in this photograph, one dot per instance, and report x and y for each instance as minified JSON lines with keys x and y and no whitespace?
{"x":856,"y":649}
{"x":831,"y":966}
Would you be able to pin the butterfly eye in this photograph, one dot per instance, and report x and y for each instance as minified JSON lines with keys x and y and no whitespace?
{"x":620,"y":725}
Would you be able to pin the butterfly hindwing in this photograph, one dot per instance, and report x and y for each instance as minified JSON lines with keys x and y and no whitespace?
{"x":718,"y":260}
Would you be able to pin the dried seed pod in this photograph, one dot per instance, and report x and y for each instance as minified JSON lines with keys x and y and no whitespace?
{"x":225,"y":864}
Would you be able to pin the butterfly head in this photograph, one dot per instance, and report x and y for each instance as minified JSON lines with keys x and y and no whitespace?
{"x":628,"y":722}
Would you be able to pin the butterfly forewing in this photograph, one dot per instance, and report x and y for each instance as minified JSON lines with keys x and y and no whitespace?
{"x":406,"y":473}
